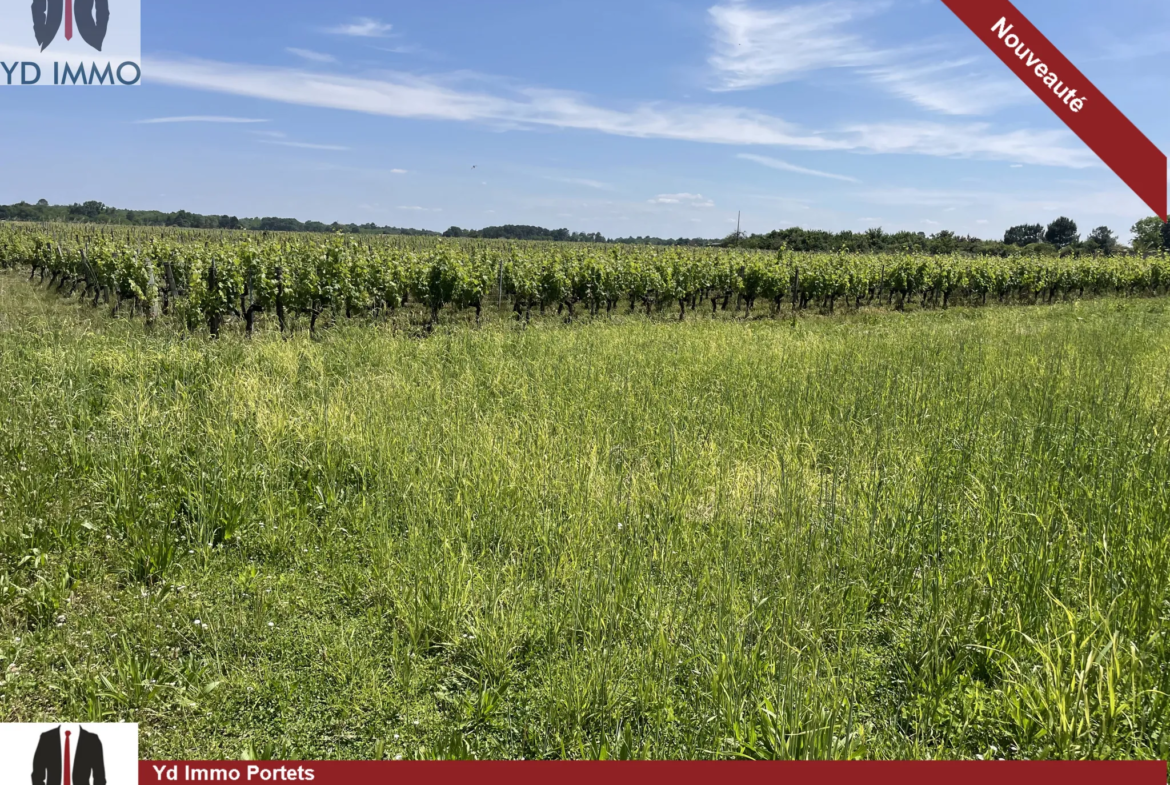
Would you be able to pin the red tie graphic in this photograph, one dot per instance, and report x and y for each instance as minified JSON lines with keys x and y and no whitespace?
{"x":68,"y":37}
{"x":65,"y":778}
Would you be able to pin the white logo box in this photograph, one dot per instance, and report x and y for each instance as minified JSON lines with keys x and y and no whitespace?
{"x":22,"y":62}
{"x":19,"y":743}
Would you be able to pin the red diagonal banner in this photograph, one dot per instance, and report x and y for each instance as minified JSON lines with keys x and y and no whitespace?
{"x":1081,"y":106}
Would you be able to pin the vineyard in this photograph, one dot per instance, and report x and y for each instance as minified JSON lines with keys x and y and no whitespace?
{"x":211,"y":279}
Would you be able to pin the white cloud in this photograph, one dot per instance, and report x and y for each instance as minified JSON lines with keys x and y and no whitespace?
{"x":949,"y":87}
{"x":409,"y":96}
{"x":787,"y":201}
{"x":308,"y":54}
{"x":397,"y":171}
{"x":200,"y":119}
{"x":363,"y":27}
{"x":924,"y":197}
{"x":776,"y":163}
{"x":404,"y":95}
{"x":597,"y":184}
{"x":756,"y":47}
{"x":1087,"y":201}
{"x":422,"y":209}
{"x":982,"y":221}
{"x":1135,"y":46}
{"x":691,"y":200}
{"x":306,"y":145}
{"x":972,"y":140}
{"x":406,"y":49}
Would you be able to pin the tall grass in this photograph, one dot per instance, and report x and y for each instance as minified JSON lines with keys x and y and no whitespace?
{"x":909,"y":535}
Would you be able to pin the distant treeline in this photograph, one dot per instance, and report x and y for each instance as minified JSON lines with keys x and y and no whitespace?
{"x":1059,"y":237}
{"x":520,"y":232}
{"x":98,"y":213}
{"x":872,"y":240}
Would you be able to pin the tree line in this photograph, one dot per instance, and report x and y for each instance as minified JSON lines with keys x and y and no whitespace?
{"x":539,"y":233}
{"x":1059,"y":238}
{"x":93,"y":212}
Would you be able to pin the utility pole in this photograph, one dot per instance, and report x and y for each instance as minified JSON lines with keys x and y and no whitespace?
{"x":738,"y":215}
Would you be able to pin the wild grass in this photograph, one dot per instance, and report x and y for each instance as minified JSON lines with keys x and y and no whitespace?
{"x":934,"y":534}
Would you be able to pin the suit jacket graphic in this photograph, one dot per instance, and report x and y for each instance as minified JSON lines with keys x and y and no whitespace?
{"x":87,"y":761}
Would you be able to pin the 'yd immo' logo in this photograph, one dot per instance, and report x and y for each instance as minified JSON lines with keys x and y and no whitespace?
{"x":71,"y":42}
{"x":92,"y":18}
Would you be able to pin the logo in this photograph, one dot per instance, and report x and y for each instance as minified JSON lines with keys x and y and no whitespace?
{"x":70,"y":42}
{"x":93,"y":19}
{"x":69,"y":754}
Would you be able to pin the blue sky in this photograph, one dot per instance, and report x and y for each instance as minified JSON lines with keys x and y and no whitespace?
{"x":660,"y":117}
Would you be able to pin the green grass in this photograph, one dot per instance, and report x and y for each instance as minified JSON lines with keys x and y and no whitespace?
{"x":934,"y":534}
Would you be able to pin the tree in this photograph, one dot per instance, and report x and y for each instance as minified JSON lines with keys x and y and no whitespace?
{"x":1024,"y":234}
{"x":1147,"y":235}
{"x":1041,"y":249}
{"x":1166,"y":235}
{"x":1103,"y":240}
{"x":943,"y":242}
{"x":42,"y":203}
{"x":1062,"y":232}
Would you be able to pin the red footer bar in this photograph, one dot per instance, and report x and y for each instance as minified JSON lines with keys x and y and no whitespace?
{"x":647,"y":772}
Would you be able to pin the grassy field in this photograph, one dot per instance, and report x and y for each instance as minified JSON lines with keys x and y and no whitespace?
{"x":932,"y":534}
